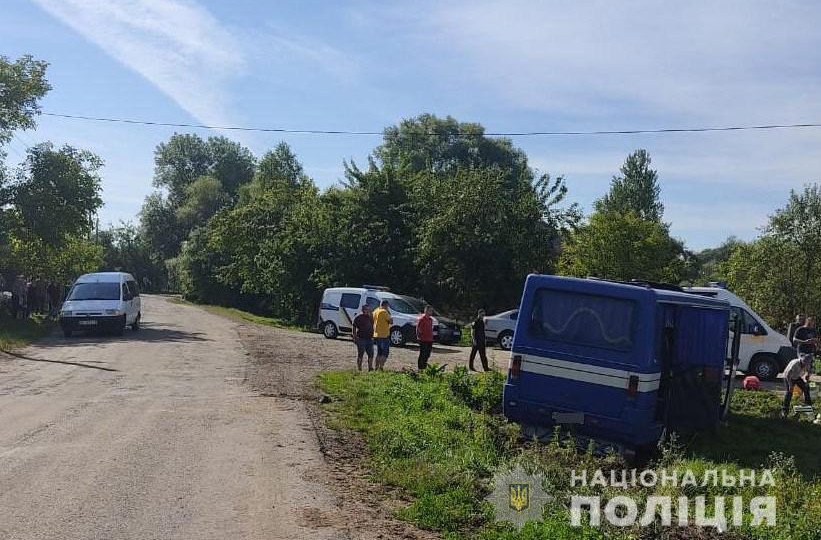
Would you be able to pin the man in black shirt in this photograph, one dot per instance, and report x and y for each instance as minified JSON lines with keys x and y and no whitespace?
{"x":805,"y":339}
{"x":363,"y":337}
{"x":479,"y":342}
{"x":795,"y":325}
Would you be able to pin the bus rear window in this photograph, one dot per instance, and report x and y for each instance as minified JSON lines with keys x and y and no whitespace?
{"x":583,"y":319}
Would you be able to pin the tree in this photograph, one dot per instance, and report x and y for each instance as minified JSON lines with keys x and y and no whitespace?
{"x":185,"y":158}
{"x":777,"y":274}
{"x":160,"y":227}
{"x":57,"y":192}
{"x":125,"y":249}
{"x":443,"y":145}
{"x":471,"y":253}
{"x":203,"y":198}
{"x":636,"y":190}
{"x":277,"y":168}
{"x":22,"y":84}
{"x":622,"y":247}
{"x":711,"y":261}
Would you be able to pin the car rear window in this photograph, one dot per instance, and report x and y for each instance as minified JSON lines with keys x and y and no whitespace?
{"x":583,"y":319}
{"x":95,"y":291}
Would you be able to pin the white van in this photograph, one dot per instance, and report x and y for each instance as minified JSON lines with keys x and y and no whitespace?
{"x":341,"y":304}
{"x":763,"y":351}
{"x":104,"y":301}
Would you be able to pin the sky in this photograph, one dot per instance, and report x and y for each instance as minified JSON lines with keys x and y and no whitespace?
{"x":511,"y":65}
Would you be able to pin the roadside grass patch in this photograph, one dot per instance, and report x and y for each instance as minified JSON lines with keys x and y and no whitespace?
{"x":15,"y":333}
{"x":441,"y":437}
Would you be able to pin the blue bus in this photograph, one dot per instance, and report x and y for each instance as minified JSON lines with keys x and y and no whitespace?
{"x":620,"y":362}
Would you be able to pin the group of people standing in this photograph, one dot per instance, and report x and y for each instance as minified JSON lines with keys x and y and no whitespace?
{"x":371,"y":328}
{"x":34,"y":295}
{"x":803,"y":334}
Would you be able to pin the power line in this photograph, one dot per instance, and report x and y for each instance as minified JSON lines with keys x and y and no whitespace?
{"x":491,"y":134}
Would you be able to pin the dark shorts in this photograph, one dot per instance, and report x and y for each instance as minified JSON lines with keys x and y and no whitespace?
{"x":383,"y":346}
{"x":364,"y":346}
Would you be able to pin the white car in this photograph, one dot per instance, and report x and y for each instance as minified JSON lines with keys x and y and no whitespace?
{"x":500,"y":328}
{"x":763,"y":352}
{"x":341,"y":304}
{"x":102,"y":301}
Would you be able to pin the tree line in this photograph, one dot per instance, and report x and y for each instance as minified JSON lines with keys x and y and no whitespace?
{"x":440,"y":210}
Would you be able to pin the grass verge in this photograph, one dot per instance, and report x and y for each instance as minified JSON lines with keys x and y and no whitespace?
{"x":16,"y":333}
{"x":246,"y":316}
{"x":441,"y":437}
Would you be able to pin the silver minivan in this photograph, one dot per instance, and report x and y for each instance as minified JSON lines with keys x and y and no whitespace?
{"x":102,"y":301}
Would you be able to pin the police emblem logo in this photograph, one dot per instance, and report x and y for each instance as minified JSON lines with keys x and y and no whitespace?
{"x":518,"y":496}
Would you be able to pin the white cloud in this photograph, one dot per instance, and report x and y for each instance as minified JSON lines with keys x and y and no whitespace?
{"x":177,"y":45}
{"x":737,"y":61}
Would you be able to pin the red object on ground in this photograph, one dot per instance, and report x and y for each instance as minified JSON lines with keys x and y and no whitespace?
{"x":751,"y":382}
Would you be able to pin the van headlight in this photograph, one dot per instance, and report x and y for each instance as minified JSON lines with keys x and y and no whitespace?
{"x":114,"y":312}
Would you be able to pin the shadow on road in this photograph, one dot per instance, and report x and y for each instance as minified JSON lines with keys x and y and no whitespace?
{"x":65,"y":362}
{"x":147,"y":334}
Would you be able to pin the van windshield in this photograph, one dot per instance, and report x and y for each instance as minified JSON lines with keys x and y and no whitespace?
{"x":95,"y":291}
{"x":583,"y":319}
{"x":400,"y":306}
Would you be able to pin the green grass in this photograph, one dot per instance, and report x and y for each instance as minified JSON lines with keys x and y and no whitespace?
{"x":235,"y":313}
{"x":440,"y":437}
{"x":16,"y":333}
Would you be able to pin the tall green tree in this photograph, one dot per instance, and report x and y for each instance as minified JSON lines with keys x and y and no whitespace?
{"x":636,"y":190}
{"x":22,"y":85}
{"x":203,"y":198}
{"x":183,"y":159}
{"x":57,"y":192}
{"x":622,"y":247}
{"x":428,"y":143}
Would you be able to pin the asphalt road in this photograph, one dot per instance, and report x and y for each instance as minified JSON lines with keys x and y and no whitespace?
{"x":153,"y":435}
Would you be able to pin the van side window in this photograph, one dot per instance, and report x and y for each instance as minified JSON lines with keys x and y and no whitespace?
{"x":135,"y":290}
{"x":373,"y":302}
{"x":748,"y":324}
{"x":126,"y":292}
{"x":583,"y":319}
{"x":350,"y":300}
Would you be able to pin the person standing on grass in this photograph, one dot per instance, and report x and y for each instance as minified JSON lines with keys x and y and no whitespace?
{"x":363,"y":337}
{"x":424,"y":335}
{"x":382,"y":321}
{"x":479,"y":341}
{"x":795,"y":325}
{"x":804,"y":340}
{"x":794,"y":375}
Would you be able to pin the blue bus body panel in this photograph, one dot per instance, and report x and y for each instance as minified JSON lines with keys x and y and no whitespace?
{"x":583,"y":343}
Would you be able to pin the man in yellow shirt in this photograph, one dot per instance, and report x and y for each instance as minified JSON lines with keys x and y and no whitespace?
{"x":382,"y":333}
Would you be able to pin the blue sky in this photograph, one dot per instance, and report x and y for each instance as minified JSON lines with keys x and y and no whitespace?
{"x":513,"y":66}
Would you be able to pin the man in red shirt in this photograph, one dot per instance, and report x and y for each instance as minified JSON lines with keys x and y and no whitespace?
{"x":424,"y":335}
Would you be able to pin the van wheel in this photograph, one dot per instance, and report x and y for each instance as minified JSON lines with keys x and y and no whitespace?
{"x":506,"y":340}
{"x":397,"y":337}
{"x":765,"y":367}
{"x":136,"y":325}
{"x":329,"y":330}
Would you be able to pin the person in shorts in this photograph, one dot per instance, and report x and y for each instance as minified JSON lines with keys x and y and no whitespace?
{"x":363,"y":337}
{"x":382,"y":333}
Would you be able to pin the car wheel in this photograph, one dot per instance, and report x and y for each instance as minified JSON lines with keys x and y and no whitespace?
{"x":397,"y":337}
{"x":329,"y":330}
{"x":506,"y":340}
{"x":136,"y":325}
{"x":765,"y":368}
